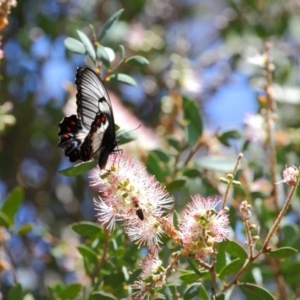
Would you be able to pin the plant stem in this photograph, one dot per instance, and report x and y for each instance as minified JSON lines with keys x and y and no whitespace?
{"x":280,"y":216}
{"x":270,"y":113}
{"x":240,"y":156}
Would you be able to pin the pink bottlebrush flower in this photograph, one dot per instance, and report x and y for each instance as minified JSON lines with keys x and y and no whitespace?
{"x":202,"y":226}
{"x":129,"y":194}
{"x":152,"y":268}
{"x":151,"y":265}
{"x":290,"y":176}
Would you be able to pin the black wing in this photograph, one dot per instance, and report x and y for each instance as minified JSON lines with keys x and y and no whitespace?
{"x":93,"y":129}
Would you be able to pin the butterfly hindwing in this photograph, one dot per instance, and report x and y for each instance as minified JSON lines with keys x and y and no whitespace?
{"x":93,"y":127}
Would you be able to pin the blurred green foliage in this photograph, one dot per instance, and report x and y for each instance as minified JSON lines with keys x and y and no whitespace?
{"x":180,"y":55}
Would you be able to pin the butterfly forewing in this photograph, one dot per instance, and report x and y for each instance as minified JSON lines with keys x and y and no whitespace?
{"x":93,"y":129}
{"x":91,"y":92}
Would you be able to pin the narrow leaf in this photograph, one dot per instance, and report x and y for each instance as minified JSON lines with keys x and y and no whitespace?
{"x":225,"y":137}
{"x":283,"y":252}
{"x":176,"y":184}
{"x":123,"y":78}
{"x":103,"y":55}
{"x":88,"y":229}
{"x":194,"y":268}
{"x":125,"y":136}
{"x":175,"y":219}
{"x":232,"y":248}
{"x":216,"y":163}
{"x":191,"y":173}
{"x":193,"y":119}
{"x":88,"y":45}
{"x":255,"y":292}
{"x":88,"y":253}
{"x":71,"y":291}
{"x":122,"y":52}
{"x":25,"y":228}
{"x":154,"y":167}
{"x":134,"y":275}
{"x":163,"y":155}
{"x":74,"y":45}
{"x":13,"y":202}
{"x":137,"y":60}
{"x":234,"y":266}
{"x":192,"y":291}
{"x":203,"y":293}
{"x":5,"y":221}
{"x":189,"y":278}
{"x":221,"y":261}
{"x":109,"y":23}
{"x":79,"y":169}
{"x":173,"y":142}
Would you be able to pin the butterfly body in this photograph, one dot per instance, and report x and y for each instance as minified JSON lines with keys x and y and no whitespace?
{"x":93,"y":128}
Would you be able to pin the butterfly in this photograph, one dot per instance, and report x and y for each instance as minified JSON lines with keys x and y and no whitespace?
{"x":93,"y":128}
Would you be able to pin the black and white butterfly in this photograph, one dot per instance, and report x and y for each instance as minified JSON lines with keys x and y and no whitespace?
{"x":93,"y":128}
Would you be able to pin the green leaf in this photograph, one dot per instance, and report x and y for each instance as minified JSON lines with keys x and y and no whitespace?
{"x":154,"y":167}
{"x":15,"y":292}
{"x":176,"y":184}
{"x":87,"y":229}
{"x":193,"y":119}
{"x":232,"y":248}
{"x":88,"y":45}
{"x":234,"y":266}
{"x":163,"y":155}
{"x":221,"y":260}
{"x":134,"y":275}
{"x":255,"y":292}
{"x":137,"y":61}
{"x":123,"y":78}
{"x":88,"y":253}
{"x":103,"y":55}
{"x":13,"y":202}
{"x":25,"y":228}
{"x":124,"y":136}
{"x":110,"y":22}
{"x":103,"y":296}
{"x":173,"y":142}
{"x":283,"y":252}
{"x":74,"y":45}
{"x":122,"y":52}
{"x":225,"y":137}
{"x":193,"y":267}
{"x":71,"y":291}
{"x":5,"y":221}
{"x":79,"y":169}
{"x":175,"y":219}
{"x":191,"y":173}
{"x":192,"y":291}
{"x":189,"y":278}
{"x":220,"y":297}
{"x":216,"y":163}
{"x":203,"y":293}
{"x":57,"y":288}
